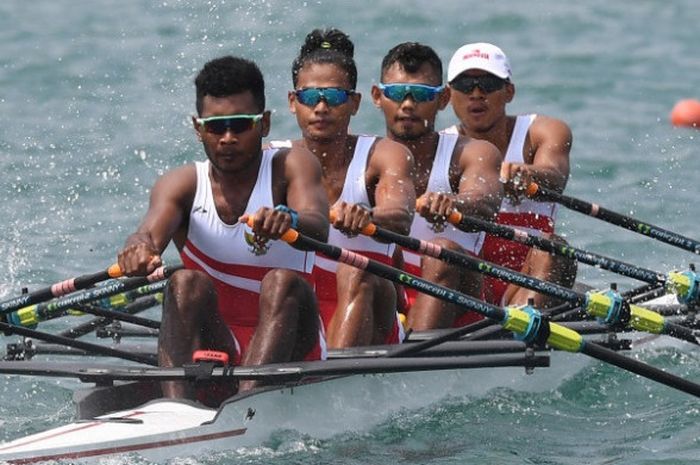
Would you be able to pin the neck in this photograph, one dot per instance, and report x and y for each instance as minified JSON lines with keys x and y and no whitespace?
{"x":423,"y":148}
{"x":498,"y":134}
{"x":332,"y":154}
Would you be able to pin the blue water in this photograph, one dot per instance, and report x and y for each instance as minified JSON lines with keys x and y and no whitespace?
{"x":95,"y":100}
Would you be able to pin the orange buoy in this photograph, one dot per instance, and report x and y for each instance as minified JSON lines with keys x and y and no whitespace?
{"x":686,"y":113}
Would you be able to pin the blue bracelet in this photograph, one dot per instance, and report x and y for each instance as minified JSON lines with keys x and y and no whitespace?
{"x":292,"y":213}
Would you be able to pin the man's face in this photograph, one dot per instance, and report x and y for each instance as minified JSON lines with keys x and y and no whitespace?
{"x":231,"y":145}
{"x":480,"y":107}
{"x":323,"y":102}
{"x":408,"y":118}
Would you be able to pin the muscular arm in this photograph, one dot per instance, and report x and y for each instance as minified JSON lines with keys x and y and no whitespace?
{"x":170,"y":200}
{"x":305,"y":192}
{"x":394,"y":193}
{"x":547,"y":162}
{"x":479,"y":190}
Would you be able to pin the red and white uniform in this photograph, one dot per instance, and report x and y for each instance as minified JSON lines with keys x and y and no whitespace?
{"x":225,"y":253}
{"x":439,"y":181}
{"x":530,"y":216}
{"x":354,"y":192}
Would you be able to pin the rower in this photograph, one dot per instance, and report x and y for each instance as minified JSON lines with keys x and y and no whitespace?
{"x":366,"y":178}
{"x":452,"y":172}
{"x":242,"y":292}
{"x":534,"y":148}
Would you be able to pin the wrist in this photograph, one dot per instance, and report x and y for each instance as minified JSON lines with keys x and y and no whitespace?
{"x":291,"y":212}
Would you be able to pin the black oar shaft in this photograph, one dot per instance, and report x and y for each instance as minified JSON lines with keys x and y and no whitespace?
{"x":482,"y":266}
{"x":617,"y":219}
{"x":508,"y":275}
{"x":94,"y":348}
{"x":121,"y":316}
{"x":640,"y":368}
{"x":399,"y":276}
{"x":487,"y":310}
{"x":45,"y":311}
{"x":564,"y":250}
{"x":59,"y":289}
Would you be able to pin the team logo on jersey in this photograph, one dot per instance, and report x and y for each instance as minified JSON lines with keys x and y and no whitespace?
{"x":257,"y":245}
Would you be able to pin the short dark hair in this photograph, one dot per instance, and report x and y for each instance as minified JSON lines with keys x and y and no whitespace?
{"x":411,"y":56}
{"x":330,"y":46}
{"x":229,"y":75}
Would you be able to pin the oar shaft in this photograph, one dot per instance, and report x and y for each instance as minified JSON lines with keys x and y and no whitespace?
{"x":640,"y":368}
{"x":513,"y":319}
{"x":94,"y":348}
{"x":641,"y":319}
{"x":60,"y":288}
{"x":31,"y":315}
{"x":564,"y":250}
{"x":481,"y":266}
{"x":596,"y":211}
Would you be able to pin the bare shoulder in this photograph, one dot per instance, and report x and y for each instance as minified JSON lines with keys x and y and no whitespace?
{"x":477,"y":151}
{"x":547,"y":128}
{"x":391,"y":152}
{"x":297,"y":158}
{"x":178,"y":181}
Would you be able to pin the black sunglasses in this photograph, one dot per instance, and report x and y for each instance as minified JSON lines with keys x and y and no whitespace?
{"x":487,"y":83}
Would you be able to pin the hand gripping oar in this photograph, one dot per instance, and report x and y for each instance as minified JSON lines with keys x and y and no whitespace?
{"x":30,"y":316}
{"x":608,"y":306}
{"x":537,"y":192}
{"x":59,"y":289}
{"x":525,"y":321}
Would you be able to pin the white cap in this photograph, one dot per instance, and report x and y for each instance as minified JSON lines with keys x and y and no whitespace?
{"x":482,"y":56}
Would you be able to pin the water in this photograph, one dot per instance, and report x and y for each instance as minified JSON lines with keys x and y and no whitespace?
{"x":95,"y":98}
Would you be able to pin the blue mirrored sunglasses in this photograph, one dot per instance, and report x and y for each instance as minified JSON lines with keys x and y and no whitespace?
{"x":333,"y":96}
{"x":238,"y":124}
{"x":419,"y":92}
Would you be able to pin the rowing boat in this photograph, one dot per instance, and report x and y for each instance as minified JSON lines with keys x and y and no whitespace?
{"x":161,"y":429}
{"x":370,"y":382}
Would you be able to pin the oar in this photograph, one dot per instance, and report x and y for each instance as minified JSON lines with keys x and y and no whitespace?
{"x":138,"y":305}
{"x":537,"y":192}
{"x":607,"y":305}
{"x":673,"y":280}
{"x":30,"y":316}
{"x":60,"y":288}
{"x":273,"y":373}
{"x":94,"y":348}
{"x":526,"y":322}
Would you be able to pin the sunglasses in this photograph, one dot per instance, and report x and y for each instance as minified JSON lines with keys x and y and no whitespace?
{"x":487,"y":83}
{"x":419,"y":92}
{"x":333,"y":96}
{"x":237,"y":124}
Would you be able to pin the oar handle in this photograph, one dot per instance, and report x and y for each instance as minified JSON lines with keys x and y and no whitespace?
{"x":368,"y":230}
{"x":290,"y":236}
{"x":454,"y":217}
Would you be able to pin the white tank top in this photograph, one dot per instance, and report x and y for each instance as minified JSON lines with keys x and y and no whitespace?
{"x":439,"y":181}
{"x":529,"y":215}
{"x":226,"y":251}
{"x":355,"y":191}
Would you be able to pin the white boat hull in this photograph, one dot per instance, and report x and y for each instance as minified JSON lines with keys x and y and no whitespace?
{"x":163,"y":429}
